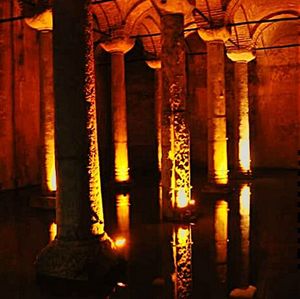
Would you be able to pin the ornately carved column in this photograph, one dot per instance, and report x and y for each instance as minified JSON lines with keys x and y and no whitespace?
{"x":156,"y":65}
{"x":241,"y":111}
{"x":43,"y":23}
{"x":175,"y":175}
{"x":118,"y":47}
{"x":217,"y":139}
{"x":81,"y":247}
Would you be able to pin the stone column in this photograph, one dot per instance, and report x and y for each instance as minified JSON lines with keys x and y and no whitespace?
{"x":118,"y":47}
{"x":156,"y":65}
{"x":241,"y":124}
{"x":175,"y":174}
{"x":43,"y":23}
{"x":217,"y":139}
{"x":81,"y":248}
{"x":47,"y":114}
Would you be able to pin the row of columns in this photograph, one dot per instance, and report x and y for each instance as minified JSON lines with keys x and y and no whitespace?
{"x":80,"y":220}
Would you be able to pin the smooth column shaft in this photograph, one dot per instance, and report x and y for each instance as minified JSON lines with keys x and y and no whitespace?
{"x":79,"y":202}
{"x":119,"y":116}
{"x":47,"y":113}
{"x":217,"y":140}
{"x":241,"y":121}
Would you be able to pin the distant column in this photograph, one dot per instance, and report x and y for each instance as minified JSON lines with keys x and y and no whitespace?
{"x":217,"y":139}
{"x":241,"y":124}
{"x":43,"y":23}
{"x":156,"y":65}
{"x":118,"y":47}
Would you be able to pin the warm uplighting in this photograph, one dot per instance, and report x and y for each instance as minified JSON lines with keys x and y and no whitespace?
{"x":121,"y":162}
{"x":120,"y":242}
{"x":52,"y":231}
{"x":244,"y":143}
{"x":52,"y":185}
{"x":221,"y":236}
{"x":182,"y":255}
{"x":182,"y":199}
{"x":50,"y":164}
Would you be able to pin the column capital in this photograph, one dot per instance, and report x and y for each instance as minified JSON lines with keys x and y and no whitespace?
{"x":154,"y":64}
{"x":42,"y":21}
{"x":221,"y":34}
{"x":241,"y":55}
{"x":118,"y":42}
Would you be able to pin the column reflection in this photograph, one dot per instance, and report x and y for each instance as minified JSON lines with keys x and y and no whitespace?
{"x":221,"y":237}
{"x":182,"y":258}
{"x":123,"y":221}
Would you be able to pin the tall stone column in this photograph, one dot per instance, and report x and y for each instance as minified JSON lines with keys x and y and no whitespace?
{"x":81,"y":247}
{"x":241,"y":124}
{"x":118,"y":47}
{"x":175,"y":174}
{"x":47,"y":114}
{"x":217,"y":139}
{"x":156,"y":65}
{"x":43,"y":23}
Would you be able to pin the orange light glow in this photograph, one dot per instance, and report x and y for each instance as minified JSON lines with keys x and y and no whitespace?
{"x":120,"y":242}
{"x":182,"y":199}
{"x":50,"y":164}
{"x":122,"y":206}
{"x":244,"y":141}
{"x":245,"y":195}
{"x":221,"y":235}
{"x":52,"y":231}
{"x":121,"y":162}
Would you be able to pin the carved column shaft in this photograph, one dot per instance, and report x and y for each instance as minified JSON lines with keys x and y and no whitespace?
{"x":47,"y":113}
{"x":175,"y":134}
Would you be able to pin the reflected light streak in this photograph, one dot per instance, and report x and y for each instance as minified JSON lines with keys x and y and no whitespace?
{"x":52,"y":231}
{"x":182,"y":255}
{"x":221,"y":237}
{"x":245,"y":232}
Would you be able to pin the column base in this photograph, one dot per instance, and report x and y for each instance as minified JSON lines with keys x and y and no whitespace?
{"x":245,"y":293}
{"x":122,"y":187}
{"x":81,"y":261}
{"x":47,"y":202}
{"x":182,"y":215}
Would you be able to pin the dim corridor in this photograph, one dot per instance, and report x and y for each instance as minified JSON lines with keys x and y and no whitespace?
{"x":248,"y":237}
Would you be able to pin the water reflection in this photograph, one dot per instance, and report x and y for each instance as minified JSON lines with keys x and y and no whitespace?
{"x":52,"y":231}
{"x":244,"y":201}
{"x":123,"y":221}
{"x":182,"y":258}
{"x":221,"y":237}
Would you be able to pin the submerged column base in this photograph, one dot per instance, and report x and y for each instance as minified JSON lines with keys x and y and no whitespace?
{"x":77,"y":260}
{"x":44,"y":201}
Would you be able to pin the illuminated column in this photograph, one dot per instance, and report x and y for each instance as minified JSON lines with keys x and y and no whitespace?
{"x":241,"y":113}
{"x":175,"y":174}
{"x":217,"y":139}
{"x":81,"y":247}
{"x":43,"y":23}
{"x":118,"y":47}
{"x":156,"y":65}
